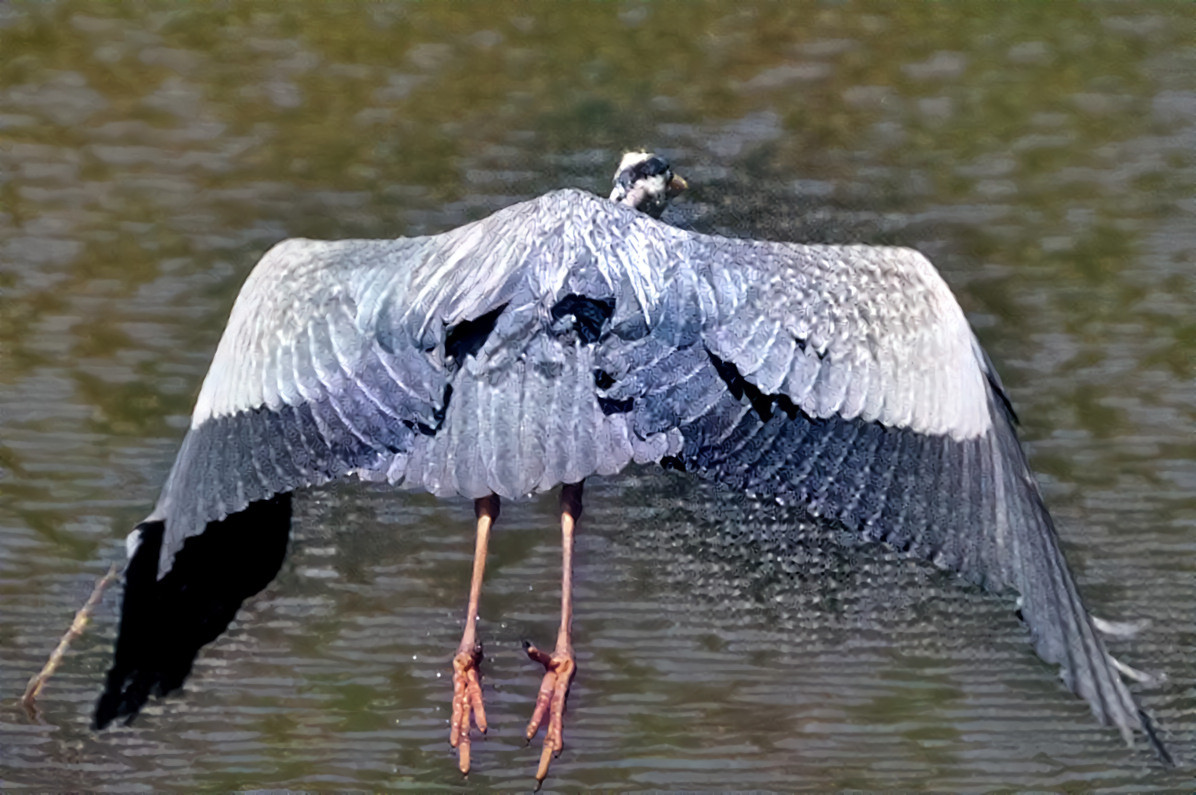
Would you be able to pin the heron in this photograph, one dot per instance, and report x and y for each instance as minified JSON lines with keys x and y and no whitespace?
{"x":570,"y":336}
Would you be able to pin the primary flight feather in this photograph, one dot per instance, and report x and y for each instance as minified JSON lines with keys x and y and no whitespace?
{"x":571,"y":335}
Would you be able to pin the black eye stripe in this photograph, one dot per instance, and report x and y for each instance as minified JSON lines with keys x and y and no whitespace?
{"x":651,"y":167}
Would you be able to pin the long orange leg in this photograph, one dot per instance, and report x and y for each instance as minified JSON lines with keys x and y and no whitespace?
{"x":559,"y":666}
{"x":467,"y":689}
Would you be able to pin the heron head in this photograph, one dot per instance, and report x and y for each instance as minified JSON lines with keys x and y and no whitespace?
{"x":646,"y":182}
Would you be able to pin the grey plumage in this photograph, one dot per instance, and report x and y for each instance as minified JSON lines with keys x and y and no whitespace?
{"x":568,"y":336}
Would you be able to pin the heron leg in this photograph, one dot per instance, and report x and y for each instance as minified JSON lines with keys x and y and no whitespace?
{"x":560,"y":665}
{"x":467,"y":689}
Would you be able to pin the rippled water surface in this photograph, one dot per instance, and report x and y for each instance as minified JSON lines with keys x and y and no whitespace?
{"x":1044,"y":156}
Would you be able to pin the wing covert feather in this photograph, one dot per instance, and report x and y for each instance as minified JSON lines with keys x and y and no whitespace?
{"x":888,"y":418}
{"x":842,"y":377}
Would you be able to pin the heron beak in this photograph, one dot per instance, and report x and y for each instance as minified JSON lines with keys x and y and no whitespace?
{"x":675,"y":186}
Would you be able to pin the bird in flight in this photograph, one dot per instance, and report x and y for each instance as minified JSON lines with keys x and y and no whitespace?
{"x":570,"y":336}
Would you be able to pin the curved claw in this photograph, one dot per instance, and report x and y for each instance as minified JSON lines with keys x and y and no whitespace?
{"x":467,"y":703}
{"x":560,"y":668}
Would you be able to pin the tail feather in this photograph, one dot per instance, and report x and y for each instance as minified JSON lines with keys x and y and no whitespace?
{"x":165,"y":621}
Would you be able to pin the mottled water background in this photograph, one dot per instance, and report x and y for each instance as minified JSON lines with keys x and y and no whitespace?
{"x":1043,"y":155}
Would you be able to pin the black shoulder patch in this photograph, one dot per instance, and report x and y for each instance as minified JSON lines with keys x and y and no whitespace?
{"x":590,"y":315}
{"x":467,"y":337}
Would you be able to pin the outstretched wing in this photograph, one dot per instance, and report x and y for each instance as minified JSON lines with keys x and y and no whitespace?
{"x":846,"y":379}
{"x":568,"y":336}
{"x":460,"y":363}
{"x":445,"y":363}
{"x":333,"y":360}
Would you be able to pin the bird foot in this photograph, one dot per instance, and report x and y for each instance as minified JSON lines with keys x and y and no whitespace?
{"x":467,"y":702}
{"x":559,"y":668}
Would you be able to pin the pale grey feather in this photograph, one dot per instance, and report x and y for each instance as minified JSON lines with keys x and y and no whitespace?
{"x":848,"y":307}
{"x":845,"y":377}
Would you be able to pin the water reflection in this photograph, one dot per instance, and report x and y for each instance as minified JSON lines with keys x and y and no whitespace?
{"x":1041,"y":155}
